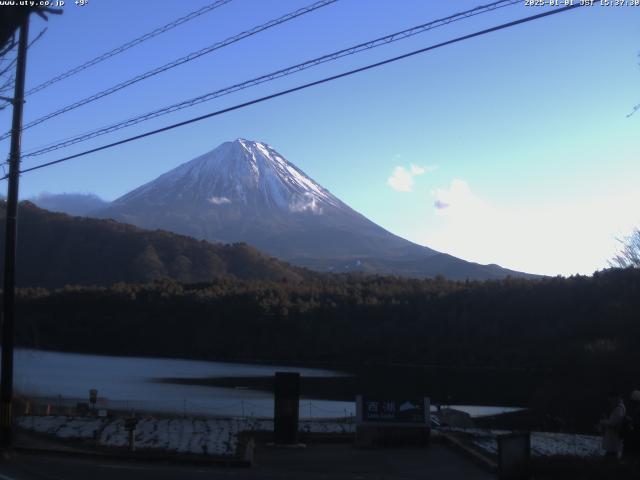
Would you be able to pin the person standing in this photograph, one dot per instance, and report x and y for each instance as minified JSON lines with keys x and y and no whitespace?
{"x":610,"y":425}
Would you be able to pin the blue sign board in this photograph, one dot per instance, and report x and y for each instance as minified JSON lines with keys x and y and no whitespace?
{"x":394,"y":411}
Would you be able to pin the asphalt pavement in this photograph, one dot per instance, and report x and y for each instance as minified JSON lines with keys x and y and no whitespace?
{"x":314,"y":462}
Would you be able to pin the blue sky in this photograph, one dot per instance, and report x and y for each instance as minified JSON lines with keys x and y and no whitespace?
{"x":512,"y":148}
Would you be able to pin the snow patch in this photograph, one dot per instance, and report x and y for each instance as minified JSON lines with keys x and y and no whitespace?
{"x":307,"y":203}
{"x":543,"y":444}
{"x":219,"y":200}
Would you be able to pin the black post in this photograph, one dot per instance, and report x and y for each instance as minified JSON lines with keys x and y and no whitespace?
{"x":287,"y":403}
{"x":8,"y":313}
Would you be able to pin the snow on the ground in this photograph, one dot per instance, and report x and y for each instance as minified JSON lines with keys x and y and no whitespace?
{"x":63,"y":426}
{"x":209,"y":437}
{"x":543,"y":444}
{"x":217,"y":436}
{"x":546,"y":444}
{"x":305,"y":426}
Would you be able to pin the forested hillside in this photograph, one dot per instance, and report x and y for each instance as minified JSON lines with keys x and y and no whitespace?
{"x":520,"y":323}
{"x":56,"y":249}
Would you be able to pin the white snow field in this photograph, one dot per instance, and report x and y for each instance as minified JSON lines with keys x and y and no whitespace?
{"x":219,"y":436}
{"x":543,"y":444}
{"x":216,"y":437}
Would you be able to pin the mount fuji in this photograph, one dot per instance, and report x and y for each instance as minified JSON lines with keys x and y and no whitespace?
{"x":245,"y":191}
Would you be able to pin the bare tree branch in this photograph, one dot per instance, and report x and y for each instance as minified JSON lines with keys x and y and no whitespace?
{"x":8,"y":47}
{"x":629,"y":255}
{"x":7,"y":85}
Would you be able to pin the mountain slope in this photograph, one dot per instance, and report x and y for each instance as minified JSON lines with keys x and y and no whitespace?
{"x":246,"y":191}
{"x":55,"y":249}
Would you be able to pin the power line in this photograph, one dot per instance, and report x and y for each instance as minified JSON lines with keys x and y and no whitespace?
{"x":179,"y":61}
{"x":128,"y":45}
{"x":271,"y":76}
{"x":304,"y":86}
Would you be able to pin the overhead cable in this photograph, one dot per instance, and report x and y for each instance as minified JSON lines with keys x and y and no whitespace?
{"x":127,"y":46}
{"x":304,"y":86}
{"x":387,"y":39}
{"x":180,"y":61}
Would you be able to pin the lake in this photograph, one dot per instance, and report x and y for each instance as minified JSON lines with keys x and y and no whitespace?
{"x":132,"y":383}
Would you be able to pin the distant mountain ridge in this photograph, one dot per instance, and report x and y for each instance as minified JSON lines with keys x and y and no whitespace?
{"x":55,"y":249}
{"x":80,"y":204}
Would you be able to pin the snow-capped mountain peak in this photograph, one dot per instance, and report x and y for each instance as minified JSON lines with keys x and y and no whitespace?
{"x":243,"y":171}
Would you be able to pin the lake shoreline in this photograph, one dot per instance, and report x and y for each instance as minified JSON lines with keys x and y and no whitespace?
{"x":346,"y":367}
{"x":443,"y":383}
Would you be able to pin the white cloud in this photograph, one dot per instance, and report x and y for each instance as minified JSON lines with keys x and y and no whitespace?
{"x":458,"y":197}
{"x":402,"y":179}
{"x":547,"y":238}
{"x":416,"y":170}
{"x":219,"y":200}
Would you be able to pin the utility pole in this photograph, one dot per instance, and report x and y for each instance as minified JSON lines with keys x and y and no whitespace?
{"x":8,"y":312}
